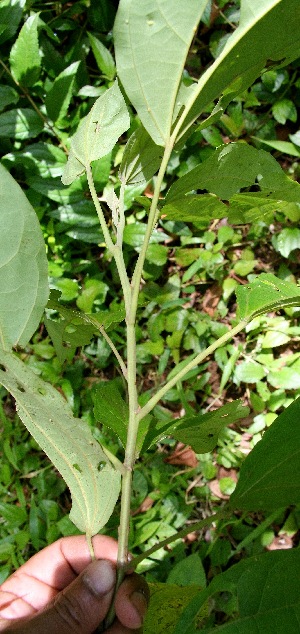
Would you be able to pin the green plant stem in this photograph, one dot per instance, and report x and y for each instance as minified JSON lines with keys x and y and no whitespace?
{"x":190,"y":366}
{"x":114,"y":350}
{"x":114,"y":249}
{"x":197,"y":526}
{"x":130,"y":451}
{"x":109,"y":243}
{"x":136,"y":279}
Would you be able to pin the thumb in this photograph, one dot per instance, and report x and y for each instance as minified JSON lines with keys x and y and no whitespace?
{"x":80,"y":607}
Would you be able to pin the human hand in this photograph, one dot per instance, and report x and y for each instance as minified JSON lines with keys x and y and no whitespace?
{"x":59,"y":590}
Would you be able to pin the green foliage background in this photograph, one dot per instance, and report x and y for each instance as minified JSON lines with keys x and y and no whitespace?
{"x":192,"y":270}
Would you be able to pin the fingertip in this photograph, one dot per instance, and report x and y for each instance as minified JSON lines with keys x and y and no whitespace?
{"x":132,"y":601}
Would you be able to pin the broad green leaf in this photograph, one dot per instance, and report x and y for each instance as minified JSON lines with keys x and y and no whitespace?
{"x":110,"y":409}
{"x":141,"y":158}
{"x":10,"y":16}
{"x":264,"y":294}
{"x":68,"y":442}
{"x":270,"y":475}
{"x":166,"y":604}
{"x":195,"y":209}
{"x":60,"y":94}
{"x":20,"y":123}
{"x":25,"y":60}
{"x":152,"y":40}
{"x":200,"y":431}
{"x":8,"y":95}
{"x":103,"y":57}
{"x":262,"y":592}
{"x":232,"y":167}
{"x":98,"y":132}
{"x":269,"y":31}
{"x":23,"y":266}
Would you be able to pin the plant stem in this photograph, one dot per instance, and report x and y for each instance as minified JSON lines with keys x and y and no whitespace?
{"x":190,"y":366}
{"x":136,"y":279}
{"x":109,"y":243}
{"x":223,"y":513}
{"x":114,"y":249}
{"x":114,"y":350}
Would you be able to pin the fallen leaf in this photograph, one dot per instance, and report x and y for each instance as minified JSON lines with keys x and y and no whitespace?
{"x":182,"y":455}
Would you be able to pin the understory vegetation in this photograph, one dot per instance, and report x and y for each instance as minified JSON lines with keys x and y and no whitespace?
{"x":194,"y":264}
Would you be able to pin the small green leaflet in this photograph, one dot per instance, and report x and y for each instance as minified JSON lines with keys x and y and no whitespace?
{"x":97,"y":133}
{"x":264,"y":294}
{"x":25,"y":59}
{"x":103,"y":57}
{"x":68,"y":442}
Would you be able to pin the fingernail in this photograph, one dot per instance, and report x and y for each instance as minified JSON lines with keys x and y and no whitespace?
{"x":139,"y":601}
{"x":99,"y":577}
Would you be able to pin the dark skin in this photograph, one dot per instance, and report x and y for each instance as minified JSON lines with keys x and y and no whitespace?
{"x":60,"y":590}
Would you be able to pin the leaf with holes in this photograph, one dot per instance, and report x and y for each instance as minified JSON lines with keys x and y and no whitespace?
{"x":264,"y":294}
{"x":200,"y":431}
{"x":68,"y":442}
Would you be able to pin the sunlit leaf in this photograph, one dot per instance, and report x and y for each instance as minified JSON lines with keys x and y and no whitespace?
{"x":264,"y":294}
{"x":98,"y":132}
{"x":20,"y":123}
{"x":23,"y":265}
{"x":103,"y":57}
{"x":68,"y":442}
{"x":25,"y":60}
{"x":151,"y":42}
